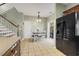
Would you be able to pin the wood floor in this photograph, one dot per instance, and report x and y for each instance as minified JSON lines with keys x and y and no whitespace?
{"x":29,"y":48}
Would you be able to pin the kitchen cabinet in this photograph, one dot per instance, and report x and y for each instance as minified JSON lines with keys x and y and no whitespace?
{"x":59,"y":33}
{"x":69,"y":48}
{"x":68,"y":42}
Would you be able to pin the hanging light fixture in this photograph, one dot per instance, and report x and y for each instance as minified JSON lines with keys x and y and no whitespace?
{"x":38,"y":19}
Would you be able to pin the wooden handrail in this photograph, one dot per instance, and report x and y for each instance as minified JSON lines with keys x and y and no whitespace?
{"x":9,"y":21}
{"x":2,"y":4}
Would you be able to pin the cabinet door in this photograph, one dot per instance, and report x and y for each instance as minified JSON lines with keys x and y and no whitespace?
{"x":70,"y":20}
{"x":70,"y":26}
{"x":69,"y":46}
{"x":59,"y":43}
{"x":59,"y":34}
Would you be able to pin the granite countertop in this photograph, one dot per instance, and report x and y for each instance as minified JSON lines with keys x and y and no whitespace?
{"x":6,"y":43}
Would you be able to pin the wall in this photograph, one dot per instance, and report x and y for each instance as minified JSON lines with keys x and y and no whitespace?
{"x":5,"y":8}
{"x":33,"y":25}
{"x":59,"y":10}
{"x":54,"y":24}
{"x":50,"y":20}
{"x":48,"y":28}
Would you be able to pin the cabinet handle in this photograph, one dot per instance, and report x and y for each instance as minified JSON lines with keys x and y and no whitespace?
{"x":65,"y":39}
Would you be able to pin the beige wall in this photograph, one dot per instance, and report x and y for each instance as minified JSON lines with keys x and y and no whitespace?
{"x":59,"y":10}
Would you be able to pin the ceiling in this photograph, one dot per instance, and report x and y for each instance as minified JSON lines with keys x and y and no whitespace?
{"x":32,"y":9}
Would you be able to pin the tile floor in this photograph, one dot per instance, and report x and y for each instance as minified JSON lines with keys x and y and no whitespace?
{"x":40,"y":48}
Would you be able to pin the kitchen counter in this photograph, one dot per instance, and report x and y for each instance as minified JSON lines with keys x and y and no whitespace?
{"x":6,"y":43}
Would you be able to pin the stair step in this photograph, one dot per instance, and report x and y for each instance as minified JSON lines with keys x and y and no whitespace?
{"x":7,"y":35}
{"x":2,"y":29}
{"x":5,"y":32}
{"x":1,"y":26}
{"x":10,"y":34}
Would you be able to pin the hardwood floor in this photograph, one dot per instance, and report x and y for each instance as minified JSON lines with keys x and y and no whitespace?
{"x":29,"y":48}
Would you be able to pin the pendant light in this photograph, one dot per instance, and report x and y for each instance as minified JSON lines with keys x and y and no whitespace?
{"x":38,"y":18}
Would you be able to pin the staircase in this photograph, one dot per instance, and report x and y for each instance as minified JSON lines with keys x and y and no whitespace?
{"x":5,"y":32}
{"x":8,"y":28}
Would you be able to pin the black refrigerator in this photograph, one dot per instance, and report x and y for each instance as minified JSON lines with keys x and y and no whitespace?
{"x":67,"y":34}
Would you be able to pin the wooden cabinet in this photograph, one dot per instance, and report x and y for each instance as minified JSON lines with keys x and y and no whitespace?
{"x":66,"y":42}
{"x":69,"y":47}
{"x":71,"y":10}
{"x":69,"y":44}
{"x":59,"y":33}
{"x":14,"y":50}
